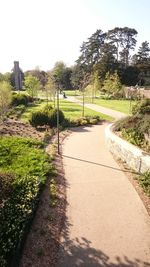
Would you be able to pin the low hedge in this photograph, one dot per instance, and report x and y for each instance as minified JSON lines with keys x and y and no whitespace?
{"x":46,"y":116}
{"x":23,"y":170}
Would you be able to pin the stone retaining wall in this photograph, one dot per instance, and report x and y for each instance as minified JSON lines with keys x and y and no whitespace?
{"x":134,"y":157}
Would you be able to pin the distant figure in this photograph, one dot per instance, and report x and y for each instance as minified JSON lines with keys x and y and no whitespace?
{"x":64,"y":95}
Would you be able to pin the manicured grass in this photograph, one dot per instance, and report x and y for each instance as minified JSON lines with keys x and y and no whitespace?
{"x":24,"y":167}
{"x":71,"y":111}
{"x":72,"y":92}
{"x":34,"y":107}
{"x":74,"y":111}
{"x":124,"y":106}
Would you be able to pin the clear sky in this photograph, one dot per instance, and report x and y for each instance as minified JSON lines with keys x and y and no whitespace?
{"x":41,"y":32}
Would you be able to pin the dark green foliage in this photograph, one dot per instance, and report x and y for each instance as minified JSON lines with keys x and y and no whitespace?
{"x":38,"y":118}
{"x":142,"y":107}
{"x":20,"y":99}
{"x":23,"y":170}
{"x":130,"y":76}
{"x":47,"y":116}
{"x":144,"y":180}
{"x":52,"y":117}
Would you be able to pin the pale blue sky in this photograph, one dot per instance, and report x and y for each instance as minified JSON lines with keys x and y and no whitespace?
{"x":41,"y":32}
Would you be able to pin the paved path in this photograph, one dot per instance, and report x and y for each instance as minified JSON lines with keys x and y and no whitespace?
{"x":106,"y":221}
{"x":107,"y":111}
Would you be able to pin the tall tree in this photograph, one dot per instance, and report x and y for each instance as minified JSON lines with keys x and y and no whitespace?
{"x":128,"y":43}
{"x":143,"y":53}
{"x":115,"y":38}
{"x":91,"y":50}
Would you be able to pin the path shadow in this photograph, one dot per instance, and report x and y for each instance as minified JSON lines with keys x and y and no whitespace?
{"x":78,"y":252}
{"x":99,"y":164}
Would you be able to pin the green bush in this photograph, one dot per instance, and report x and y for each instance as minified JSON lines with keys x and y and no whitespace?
{"x":52,"y":117}
{"x":20,"y":99}
{"x":133,"y":136}
{"x":141,"y":107}
{"x":23,"y":170}
{"x":143,"y":124}
{"x":47,"y":108}
{"x":47,"y":116}
{"x":39,"y":118}
{"x":144,"y":180}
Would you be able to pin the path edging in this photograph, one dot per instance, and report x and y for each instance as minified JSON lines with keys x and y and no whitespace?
{"x":134,"y":157}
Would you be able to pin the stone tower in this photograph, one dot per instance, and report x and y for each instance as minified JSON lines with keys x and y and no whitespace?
{"x":17,"y":76}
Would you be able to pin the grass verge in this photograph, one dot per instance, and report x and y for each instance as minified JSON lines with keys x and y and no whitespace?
{"x":24,"y":167}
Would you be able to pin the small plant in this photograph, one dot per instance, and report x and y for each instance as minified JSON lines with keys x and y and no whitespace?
{"x":144,"y":180}
{"x":133,"y":136}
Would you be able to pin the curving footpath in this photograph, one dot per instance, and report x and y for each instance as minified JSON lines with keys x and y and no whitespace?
{"x":113,"y":113}
{"x":106,"y":222}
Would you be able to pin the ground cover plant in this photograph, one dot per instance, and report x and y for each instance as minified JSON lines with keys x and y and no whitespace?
{"x":136,"y":128}
{"x":23,"y":170}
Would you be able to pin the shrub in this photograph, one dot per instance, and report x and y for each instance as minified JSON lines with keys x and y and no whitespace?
{"x":144,"y":180}
{"x":142,"y":107}
{"x":47,"y":108}
{"x":39,"y":118}
{"x":52,"y":117}
{"x":20,"y":99}
{"x":126,"y":122}
{"x":133,"y":136}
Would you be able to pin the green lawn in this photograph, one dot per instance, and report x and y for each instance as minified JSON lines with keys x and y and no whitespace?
{"x":72,"y":92}
{"x":74,"y":111}
{"x":124,"y":106}
{"x":34,"y":107}
{"x":71,"y":111}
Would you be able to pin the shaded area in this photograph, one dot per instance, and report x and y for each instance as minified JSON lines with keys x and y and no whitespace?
{"x":79,"y":252}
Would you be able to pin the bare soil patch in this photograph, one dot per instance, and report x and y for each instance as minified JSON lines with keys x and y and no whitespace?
{"x":18,"y":128}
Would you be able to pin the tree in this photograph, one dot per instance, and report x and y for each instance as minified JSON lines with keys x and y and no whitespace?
{"x":128,"y":43}
{"x":108,"y":62}
{"x":91,"y":50}
{"x":5,"y":98}
{"x":50,"y":89}
{"x":143,"y":53}
{"x":62,"y":75}
{"x":112,"y":84}
{"x":39,"y":74}
{"x":32,"y":85}
{"x":130,"y":76}
{"x":114,"y":36}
